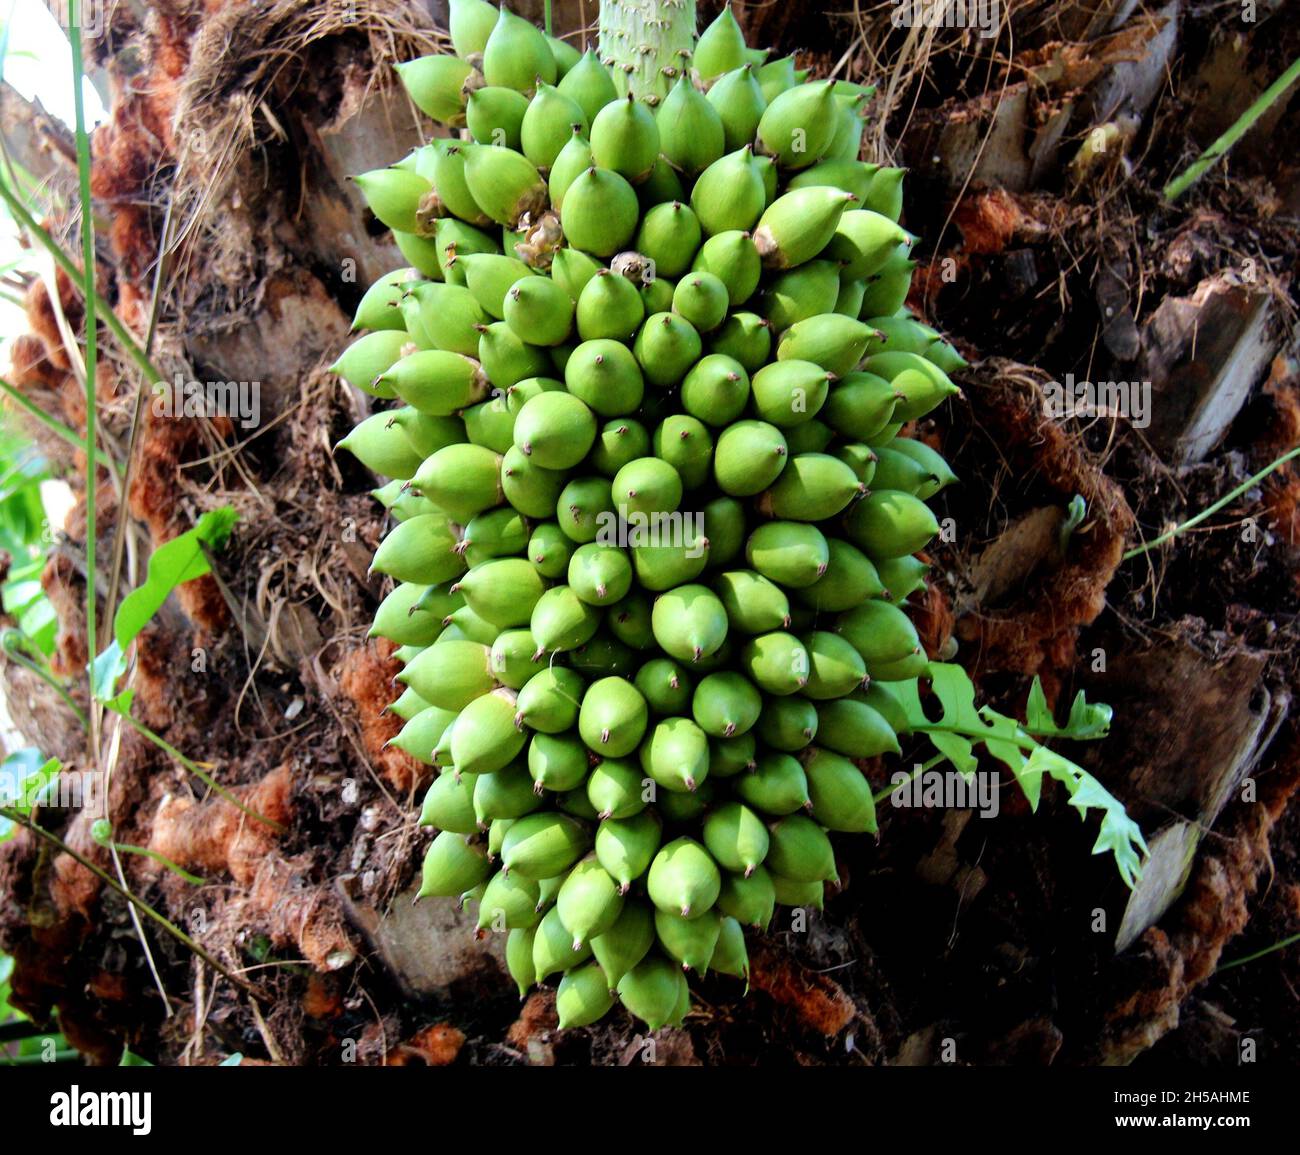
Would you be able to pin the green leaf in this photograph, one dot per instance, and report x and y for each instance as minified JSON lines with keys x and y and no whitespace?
{"x":181,"y":560}
{"x":956,"y":749}
{"x":130,"y":1059}
{"x":231,"y":1060}
{"x":1087,"y":721}
{"x":25,"y":776}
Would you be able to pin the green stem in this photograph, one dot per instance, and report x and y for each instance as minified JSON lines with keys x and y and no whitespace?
{"x":647,"y":43}
{"x":1179,"y":185}
{"x":881,"y":795}
{"x":7,"y":641}
{"x":175,"y":868}
{"x":53,"y":423}
{"x":1249,"y":483}
{"x":1286,"y":942}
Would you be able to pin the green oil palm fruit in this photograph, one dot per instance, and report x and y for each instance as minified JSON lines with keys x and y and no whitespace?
{"x":562,"y":621}
{"x":724,"y":530}
{"x":896,"y":470}
{"x":675,"y":754}
{"x":399,"y":620}
{"x":860,"y":458}
{"x":613,"y":717}
{"x":549,"y":549}
{"x":625,"y":138}
{"x":686,"y":444}
{"x":512,"y":658}
{"x":791,"y":893}
{"x":625,"y":943}
{"x":600,"y":574}
{"x":691,"y":136}
{"x":750,"y":456}
{"x":647,"y":485}
{"x":730,"y":956}
{"x":426,"y":434}
{"x":585,"y":508}
{"x":409,"y":504}
{"x":800,"y":851}
{"x":407,"y":705}
{"x":549,"y":701}
{"x":736,"y":837}
{"x":666,"y":346}
{"x":661,"y":186}
{"x":448,"y":176}
{"x":470,"y":23}
{"x":802,"y":292}
{"x":367,"y":358}
{"x":834,"y":342}
{"x":517,"y":55}
{"x":846,"y":144}
{"x":498,"y":532}
{"x":437,"y":86}
{"x":878,"y":630}
{"x":725,"y":704}
{"x":945,"y":356}
{"x":669,"y":235}
{"x":754,"y":604}
{"x":449,"y":804}
{"x":495,"y":115}
{"x":662,"y":567}
{"x":609,"y":307}
{"x":793,"y":554}
{"x":453,"y":677}
{"x":378,"y":306}
{"x":485,"y":738}
{"x":776,"y":661}
{"x":811,"y":436}
{"x":657,"y":295}
{"x":689,"y":623}
{"x":583,"y":996}
{"x":461,"y":480}
{"x":789,"y":392}
{"x":570,"y":162}
{"x":572,"y":269}
{"x":450,"y":316}
{"x":421,"y":549}
{"x":901,"y":334}
{"x":851,"y":296}
{"x":589,"y":84}
{"x":505,"y":183}
{"x":553,"y":949}
{"x":888,"y":523}
{"x":835,"y":667}
{"x":506,"y":357}
{"x":841,"y":795}
{"x":939,"y":472}
{"x":798,"y":125}
{"x":405,"y":654}
{"x":421,"y":252}
{"x":621,"y":441}
{"x":665,"y":686}
{"x":732,"y":257}
{"x":701,"y":298}
{"x":749,"y":900}
{"x":603,"y":655}
{"x":852,"y":728}
{"x":886,"y":704}
{"x":519,"y":959}
{"x":490,"y":423}
{"x":437,"y":382}
{"x":777,"y":785}
{"x":813,"y":487}
{"x":738,"y":98}
{"x":466,"y":624}
{"x":885,"y":195}
{"x":548,"y":125}
{"x":851,"y":175}
{"x":626,"y":846}
{"x":902,"y":576}
{"x":502,"y":591}
{"x":860,"y":405}
{"x":489,"y":276}
{"x":731,"y":756}
{"x":683,"y":879}
{"x":745,"y":336}
{"x":716,"y":390}
{"x":381,"y":447}
{"x":730,"y":194}
{"x":421,"y":735}
{"x":767,"y":170}
{"x":600,"y":212}
{"x":544,"y":844}
{"x":720,"y":48}
{"x":787,"y":724}
{"x":629,"y":622}
{"x":914,"y":665}
{"x":606,"y":375}
{"x":614,"y":789}
{"x":798,"y":225}
{"x":509,"y":903}
{"x":589,"y":902}
{"x":452,"y":866}
{"x":557,"y":762}
{"x":653,"y":991}
{"x":566,"y":56}
{"x":691,"y":942}
{"x":776,"y":76}
{"x":686,"y":808}
{"x":924,"y":386}
{"x":555,"y":430}
{"x":532,"y":490}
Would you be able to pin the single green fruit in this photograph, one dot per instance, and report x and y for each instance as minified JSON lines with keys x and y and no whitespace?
{"x":648,"y":485}
{"x":732,"y":257}
{"x":613,"y":717}
{"x":605,"y":374}
{"x":736,"y":837}
{"x":614,"y":789}
{"x":548,"y":124}
{"x":776,"y":786}
{"x":589,"y":902}
{"x":675,"y":754}
{"x":852,"y":728}
{"x":572,"y":269}
{"x":691,"y":136}
{"x":793,"y":554}
{"x":730,"y":194}
{"x":738,"y":98}
{"x":666,"y":346}
{"x":519,"y":959}
{"x":863,"y":242}
{"x":665,"y":686}
{"x":653,"y":991}
{"x":555,"y":429}
{"x":860,"y":405}
{"x":382,"y":447}
{"x":449,"y":804}
{"x":702,"y":299}
{"x":600,"y":212}
{"x":517,"y":54}
{"x":532,"y":490}
{"x":583,"y":996}
{"x":562,"y":621}
{"x":745,"y":336}
{"x":625,"y":943}
{"x":690,"y":941}
{"x":788,"y":724}
{"x":505,"y":183}
{"x":689,"y":622}
{"x":798,"y":125}
{"x":461,"y":480}
{"x":686,"y":444}
{"x":495,"y":115}
{"x":543,"y":844}
{"x":750,"y":456}
{"x":748,"y":899}
{"x":557,"y":762}
{"x":841,"y":795}
{"x":669,"y":236}
{"x":502,"y":591}
{"x":553,"y":950}
{"x":888,"y":523}
{"x":539,"y":311}
{"x":788,"y":393}
{"x":683,"y":879}
{"x":625,"y":138}
{"x":485,"y":738}
{"x":421,"y":549}
{"x":834,"y":342}
{"x":800,"y":850}
{"x":589,"y":84}
{"x":720,"y":48}
{"x":367,"y":358}
{"x":725,"y":704}
{"x":609,"y":307}
{"x":550,"y":700}
{"x":797,"y":226}
{"x":453,"y":677}
{"x":834,"y":667}
{"x":509,"y":903}
{"x":452,"y":866}
{"x":813,"y":487}
{"x":436,"y":84}
{"x":626,"y":846}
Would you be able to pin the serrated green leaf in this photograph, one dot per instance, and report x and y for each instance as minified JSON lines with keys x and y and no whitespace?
{"x":1087,"y":721}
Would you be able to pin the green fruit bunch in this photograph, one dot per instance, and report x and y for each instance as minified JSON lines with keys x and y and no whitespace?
{"x":654,"y":520}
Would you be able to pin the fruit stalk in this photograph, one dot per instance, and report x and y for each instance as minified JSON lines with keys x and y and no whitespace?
{"x":646,"y":43}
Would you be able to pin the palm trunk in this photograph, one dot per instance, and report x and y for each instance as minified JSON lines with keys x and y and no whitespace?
{"x":647,"y":42}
